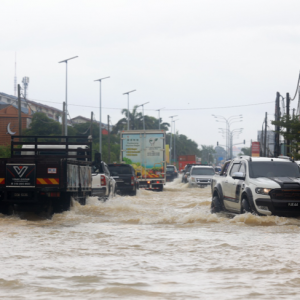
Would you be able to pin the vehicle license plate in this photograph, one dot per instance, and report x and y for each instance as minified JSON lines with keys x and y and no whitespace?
{"x":293,"y":204}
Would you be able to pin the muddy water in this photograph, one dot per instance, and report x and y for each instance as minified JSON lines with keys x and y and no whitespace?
{"x":154,"y":246}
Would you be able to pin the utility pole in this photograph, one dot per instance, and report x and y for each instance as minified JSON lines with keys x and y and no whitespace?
{"x":265,"y":141}
{"x":63,"y":119}
{"x":288,"y":150}
{"x":277,"y":127}
{"x":108,"y":139}
{"x":91,"y":127}
{"x":19,"y":108}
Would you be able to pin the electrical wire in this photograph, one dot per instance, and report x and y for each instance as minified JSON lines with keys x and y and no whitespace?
{"x":297,"y":87}
{"x":166,"y":109}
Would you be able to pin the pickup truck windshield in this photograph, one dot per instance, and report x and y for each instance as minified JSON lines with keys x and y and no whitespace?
{"x":204,"y":171}
{"x":119,"y":170}
{"x":273,"y":169}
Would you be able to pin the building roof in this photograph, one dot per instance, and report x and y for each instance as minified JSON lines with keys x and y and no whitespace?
{"x":30,"y":102}
{"x":23,"y":109}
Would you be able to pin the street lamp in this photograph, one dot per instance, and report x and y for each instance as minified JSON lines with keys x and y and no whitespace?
{"x":174,"y":140}
{"x":128,"y":107}
{"x":66,"y":112}
{"x":228,"y":121}
{"x":159,"y":116}
{"x":143,"y":113}
{"x":170,"y":150}
{"x":100,"y":112}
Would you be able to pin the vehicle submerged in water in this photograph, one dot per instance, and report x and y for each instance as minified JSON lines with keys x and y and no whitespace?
{"x":259,"y":185}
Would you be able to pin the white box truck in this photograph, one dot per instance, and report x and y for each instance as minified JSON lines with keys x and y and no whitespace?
{"x":145,"y":151}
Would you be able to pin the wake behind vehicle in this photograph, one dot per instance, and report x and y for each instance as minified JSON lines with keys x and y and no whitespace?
{"x":126,"y":180}
{"x":172,"y":172}
{"x":144,"y":150}
{"x":201,"y":176}
{"x":259,"y":185}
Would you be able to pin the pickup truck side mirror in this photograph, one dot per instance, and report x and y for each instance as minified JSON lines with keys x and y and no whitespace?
{"x":187,"y":173}
{"x":238,"y":175}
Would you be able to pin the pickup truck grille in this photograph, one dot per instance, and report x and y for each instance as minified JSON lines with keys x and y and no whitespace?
{"x":285,"y":194}
{"x":203,"y":180}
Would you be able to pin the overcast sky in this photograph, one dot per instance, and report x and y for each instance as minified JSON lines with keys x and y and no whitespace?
{"x":177,"y":54}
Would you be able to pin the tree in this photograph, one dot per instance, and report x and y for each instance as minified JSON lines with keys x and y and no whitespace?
{"x":207,"y":154}
{"x":290,"y":129}
{"x":245,"y":151}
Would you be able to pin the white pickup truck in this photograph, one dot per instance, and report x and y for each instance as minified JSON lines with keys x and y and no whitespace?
{"x":103,"y":184}
{"x":259,"y":185}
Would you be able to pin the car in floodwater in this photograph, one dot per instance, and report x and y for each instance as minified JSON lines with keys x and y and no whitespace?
{"x":201,"y":176}
{"x":259,"y":185}
{"x":171,"y":172}
{"x":126,"y":180}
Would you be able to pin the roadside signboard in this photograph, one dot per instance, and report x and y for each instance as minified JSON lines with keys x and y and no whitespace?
{"x":255,"y":149}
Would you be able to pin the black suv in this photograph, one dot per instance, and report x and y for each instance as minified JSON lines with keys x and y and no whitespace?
{"x":126,"y":180}
{"x":171,"y":173}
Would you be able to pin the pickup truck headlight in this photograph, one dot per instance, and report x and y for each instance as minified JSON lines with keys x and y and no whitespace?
{"x":262,"y":191}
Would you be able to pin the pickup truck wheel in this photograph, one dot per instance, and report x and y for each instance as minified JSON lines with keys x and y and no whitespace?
{"x":245,"y":206}
{"x":133,"y":193}
{"x":215,"y":205}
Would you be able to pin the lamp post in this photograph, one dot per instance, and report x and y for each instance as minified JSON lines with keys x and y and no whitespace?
{"x":159,"y":116}
{"x":143,"y":113}
{"x":66,"y":112}
{"x":100,"y":113}
{"x":228,"y":121}
{"x":175,"y":141}
{"x":170,"y":150}
{"x":127,"y":93}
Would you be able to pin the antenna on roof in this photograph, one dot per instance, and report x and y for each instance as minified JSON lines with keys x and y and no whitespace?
{"x":15,"y":79}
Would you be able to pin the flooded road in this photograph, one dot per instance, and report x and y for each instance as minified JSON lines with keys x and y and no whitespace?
{"x":154,"y":246}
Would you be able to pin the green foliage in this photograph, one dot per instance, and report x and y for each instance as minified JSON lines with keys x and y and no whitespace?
{"x":136,"y":121}
{"x":4,"y":151}
{"x":207,"y":154}
{"x":246,"y":151}
{"x":184,"y":145}
{"x":290,"y":129}
{"x":127,"y":160}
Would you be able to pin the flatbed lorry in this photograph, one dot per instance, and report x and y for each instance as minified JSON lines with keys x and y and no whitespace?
{"x":145,"y":150}
{"x":44,"y":172}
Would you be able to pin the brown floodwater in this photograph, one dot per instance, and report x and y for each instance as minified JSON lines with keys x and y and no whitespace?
{"x":153,"y":246}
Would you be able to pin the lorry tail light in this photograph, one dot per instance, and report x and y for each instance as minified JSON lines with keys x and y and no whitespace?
{"x":57,"y":194}
{"x":103,"y":180}
{"x":157,"y":181}
{"x":148,"y":182}
{"x":132,"y":180}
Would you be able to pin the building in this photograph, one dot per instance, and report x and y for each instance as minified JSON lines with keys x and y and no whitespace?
{"x":9,"y":121}
{"x":81,"y":120}
{"x":270,"y":141}
{"x":51,"y":112}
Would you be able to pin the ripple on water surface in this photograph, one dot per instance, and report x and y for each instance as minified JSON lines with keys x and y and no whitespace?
{"x":157,"y":245}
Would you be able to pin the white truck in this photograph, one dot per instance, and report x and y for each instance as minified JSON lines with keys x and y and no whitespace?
{"x":145,"y":150}
{"x":259,"y":185}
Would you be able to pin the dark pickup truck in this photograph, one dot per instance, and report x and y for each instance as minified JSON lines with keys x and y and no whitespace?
{"x":126,"y":180}
{"x":44,"y":172}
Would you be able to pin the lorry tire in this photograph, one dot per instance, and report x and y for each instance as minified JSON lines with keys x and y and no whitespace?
{"x":215,"y":205}
{"x":6,"y":209}
{"x":161,"y":188}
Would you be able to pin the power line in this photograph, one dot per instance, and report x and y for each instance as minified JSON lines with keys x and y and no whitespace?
{"x":168,"y":109}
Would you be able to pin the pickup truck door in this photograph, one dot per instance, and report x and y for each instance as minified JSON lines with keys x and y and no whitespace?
{"x":231,"y":202}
